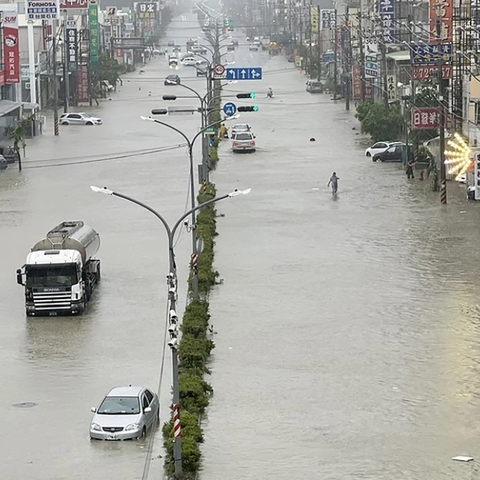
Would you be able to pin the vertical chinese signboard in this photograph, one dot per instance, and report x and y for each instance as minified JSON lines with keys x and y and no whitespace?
{"x":314,"y":19}
{"x":392,"y":88}
{"x":356,"y":82}
{"x":328,"y":18}
{"x":72,"y":51}
{"x":11,"y":43}
{"x":82,"y":84}
{"x":94,"y":36}
{"x":441,"y":11}
{"x":386,"y":10}
{"x":371,"y":60}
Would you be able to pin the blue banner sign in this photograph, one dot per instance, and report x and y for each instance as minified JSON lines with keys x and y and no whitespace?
{"x":429,"y":54}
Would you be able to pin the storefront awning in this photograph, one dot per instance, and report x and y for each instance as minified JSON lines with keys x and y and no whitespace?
{"x":7,"y":106}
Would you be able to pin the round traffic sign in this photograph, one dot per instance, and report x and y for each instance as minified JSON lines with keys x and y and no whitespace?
{"x":219,"y":69}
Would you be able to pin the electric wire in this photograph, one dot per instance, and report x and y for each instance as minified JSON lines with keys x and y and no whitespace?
{"x":108,"y":158}
{"x":151,"y":441}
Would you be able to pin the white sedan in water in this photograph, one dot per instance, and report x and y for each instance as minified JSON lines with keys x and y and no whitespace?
{"x":189,"y":61}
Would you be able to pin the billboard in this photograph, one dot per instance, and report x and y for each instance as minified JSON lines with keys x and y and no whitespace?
{"x":386,"y":11}
{"x":356,"y":82}
{"x":371,"y":60}
{"x":11,"y":43}
{"x":426,"y":72}
{"x":146,"y":10}
{"x":94,"y":36}
{"x":441,"y":11}
{"x":425,"y":118}
{"x":429,"y":54}
{"x":82,"y":84}
{"x":42,"y":9}
{"x":328,"y":18}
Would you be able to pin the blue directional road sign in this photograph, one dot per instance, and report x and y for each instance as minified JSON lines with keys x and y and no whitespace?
{"x":229,"y":109}
{"x":244,"y":73}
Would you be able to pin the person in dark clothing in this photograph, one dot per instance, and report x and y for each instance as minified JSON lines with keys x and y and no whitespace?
{"x":410,"y":166}
{"x":334,"y":183}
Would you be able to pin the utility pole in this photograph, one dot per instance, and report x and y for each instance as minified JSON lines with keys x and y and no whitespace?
{"x":66,"y":80}
{"x":348,"y":57}
{"x":55,"y":82}
{"x":383,"y":51}
{"x":335,"y":61}
{"x":319,"y":50}
{"x":443,"y":170}
{"x":362,"y":53}
{"x":310,"y":54}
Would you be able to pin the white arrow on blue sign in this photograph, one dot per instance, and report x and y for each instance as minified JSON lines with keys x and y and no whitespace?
{"x":229,"y":109}
{"x":244,"y":73}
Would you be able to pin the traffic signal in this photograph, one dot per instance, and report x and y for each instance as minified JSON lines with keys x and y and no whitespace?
{"x":249,"y":108}
{"x":245,"y":95}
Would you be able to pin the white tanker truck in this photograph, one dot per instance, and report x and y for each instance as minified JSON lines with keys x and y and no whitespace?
{"x":60,"y":273}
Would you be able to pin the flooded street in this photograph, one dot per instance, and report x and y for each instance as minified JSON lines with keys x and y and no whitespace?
{"x":348,"y":327}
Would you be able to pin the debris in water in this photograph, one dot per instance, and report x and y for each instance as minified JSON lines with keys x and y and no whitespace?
{"x":25,"y":405}
{"x":461,"y":458}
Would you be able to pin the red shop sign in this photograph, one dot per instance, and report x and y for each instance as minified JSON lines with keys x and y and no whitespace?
{"x":425,"y":118}
{"x":12,"y":54}
{"x":427,"y":72}
{"x":73,"y":4}
{"x":442,"y":11}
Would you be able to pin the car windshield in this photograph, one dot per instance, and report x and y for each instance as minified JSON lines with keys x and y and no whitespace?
{"x":244,"y":136}
{"x":119,"y":406}
{"x":52,"y":275}
{"x":240,"y":127}
{"x":86,"y":115}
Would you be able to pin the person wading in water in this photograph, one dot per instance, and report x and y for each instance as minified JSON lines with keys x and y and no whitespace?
{"x":333,"y":182}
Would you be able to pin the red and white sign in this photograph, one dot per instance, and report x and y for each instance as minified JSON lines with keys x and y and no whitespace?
{"x":82,"y":84}
{"x":425,"y":118}
{"x":219,"y":70}
{"x":441,"y":11}
{"x":356,"y":83}
{"x":427,"y":72}
{"x":11,"y":46}
{"x":69,"y":5}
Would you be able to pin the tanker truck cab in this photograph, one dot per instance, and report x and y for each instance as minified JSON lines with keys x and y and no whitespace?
{"x":60,"y":279}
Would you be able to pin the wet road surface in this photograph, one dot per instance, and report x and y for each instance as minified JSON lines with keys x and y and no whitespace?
{"x":347,"y":326}
{"x":347,"y":342}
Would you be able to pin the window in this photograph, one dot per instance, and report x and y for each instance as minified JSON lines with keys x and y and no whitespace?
{"x":391,"y":149}
{"x":74,"y":115}
{"x":149,"y":396}
{"x":145,"y":402}
{"x":119,"y":406}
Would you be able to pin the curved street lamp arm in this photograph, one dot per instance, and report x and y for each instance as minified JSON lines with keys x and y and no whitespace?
{"x":189,"y":143}
{"x":173,"y":267}
{"x":198,"y":207}
{"x":192,"y":90}
{"x":203,"y":130}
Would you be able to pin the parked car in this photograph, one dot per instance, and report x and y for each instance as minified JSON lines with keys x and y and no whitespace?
{"x":378,"y":147}
{"x":79,"y":119}
{"x":394,"y":153}
{"x":125,"y":413}
{"x":244,"y":142}
{"x":189,"y":61}
{"x":172,"y":80}
{"x":230,"y":47}
{"x":3,"y":163}
{"x":173,"y":62}
{"x":240,"y":128}
{"x":253,"y":48}
{"x":256,"y":41}
{"x":171,"y":44}
{"x":314,"y":87}
{"x":10,"y":155}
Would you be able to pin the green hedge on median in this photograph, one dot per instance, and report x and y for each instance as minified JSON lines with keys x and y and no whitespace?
{"x":194,"y":349}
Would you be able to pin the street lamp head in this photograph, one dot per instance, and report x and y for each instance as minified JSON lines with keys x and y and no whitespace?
{"x":237,"y":192}
{"x":159,"y":111}
{"x":148,"y":119}
{"x":104,"y":190}
{"x":232,"y":117}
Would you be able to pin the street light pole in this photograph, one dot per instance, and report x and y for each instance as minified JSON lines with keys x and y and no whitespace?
{"x":190,"y":144}
{"x":172,"y":294}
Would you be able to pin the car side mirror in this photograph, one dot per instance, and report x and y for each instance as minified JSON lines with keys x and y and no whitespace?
{"x":254,"y":136}
{"x":93,"y":410}
{"x":20,"y":277}
{"x":147,"y":410}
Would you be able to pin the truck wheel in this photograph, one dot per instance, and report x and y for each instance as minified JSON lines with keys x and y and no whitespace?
{"x":88,"y":290}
